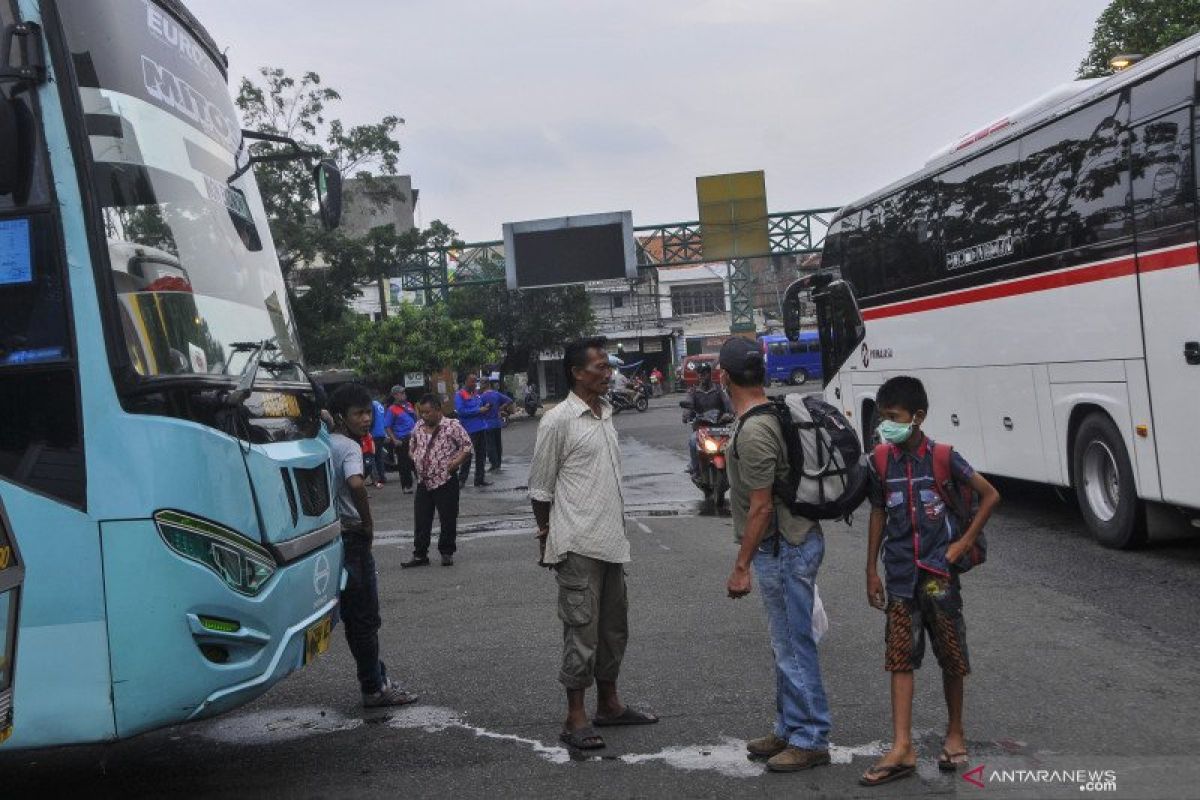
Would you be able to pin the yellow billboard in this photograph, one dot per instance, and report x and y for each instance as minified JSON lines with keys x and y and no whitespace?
{"x":733,"y":215}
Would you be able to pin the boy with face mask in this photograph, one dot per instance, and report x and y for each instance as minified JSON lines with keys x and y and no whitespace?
{"x":911,"y":525}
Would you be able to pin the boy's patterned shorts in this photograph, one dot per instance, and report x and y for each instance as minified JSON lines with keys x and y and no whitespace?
{"x":936,"y":607}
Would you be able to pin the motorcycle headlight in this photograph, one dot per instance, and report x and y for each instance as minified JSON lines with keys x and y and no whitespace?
{"x":243,"y":565}
{"x":711,"y":446}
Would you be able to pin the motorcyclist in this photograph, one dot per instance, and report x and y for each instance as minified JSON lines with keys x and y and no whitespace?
{"x":705,"y":396}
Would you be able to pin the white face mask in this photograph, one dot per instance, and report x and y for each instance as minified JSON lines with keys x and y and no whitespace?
{"x":895,"y":432}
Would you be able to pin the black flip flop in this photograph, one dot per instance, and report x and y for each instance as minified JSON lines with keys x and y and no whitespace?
{"x":629,"y":716}
{"x":892,"y":772}
{"x":585,"y":738}
{"x":946,"y":762}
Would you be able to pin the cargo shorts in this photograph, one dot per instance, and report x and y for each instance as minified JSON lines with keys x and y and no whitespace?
{"x":594,"y":609}
{"x":934,"y":609}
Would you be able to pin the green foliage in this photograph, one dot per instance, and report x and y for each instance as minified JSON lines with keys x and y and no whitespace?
{"x":524,"y":322}
{"x":421,"y":339}
{"x":1138,"y":26}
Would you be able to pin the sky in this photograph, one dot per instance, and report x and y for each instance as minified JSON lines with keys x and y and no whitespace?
{"x":525,"y":109}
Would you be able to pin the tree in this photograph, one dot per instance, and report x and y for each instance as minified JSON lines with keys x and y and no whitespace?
{"x":421,"y":339}
{"x":526,"y":321}
{"x":1138,"y":26}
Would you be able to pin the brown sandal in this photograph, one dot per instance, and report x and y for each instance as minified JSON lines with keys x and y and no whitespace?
{"x":887,"y":774}
{"x":950,"y":762}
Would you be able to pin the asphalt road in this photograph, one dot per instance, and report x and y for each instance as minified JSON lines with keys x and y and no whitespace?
{"x":1084,"y":659}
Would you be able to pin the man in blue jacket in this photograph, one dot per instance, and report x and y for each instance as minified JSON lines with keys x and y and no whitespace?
{"x":401,"y":419}
{"x":472,"y":413}
{"x":379,"y":434}
{"x":500,"y":404}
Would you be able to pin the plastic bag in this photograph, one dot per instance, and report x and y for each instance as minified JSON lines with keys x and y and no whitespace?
{"x":820,"y":620}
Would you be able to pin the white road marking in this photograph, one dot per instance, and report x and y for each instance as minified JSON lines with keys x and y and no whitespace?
{"x":643,"y":527}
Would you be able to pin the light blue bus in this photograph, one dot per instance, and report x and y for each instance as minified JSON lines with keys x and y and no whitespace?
{"x":793,"y":361}
{"x":163,"y":468}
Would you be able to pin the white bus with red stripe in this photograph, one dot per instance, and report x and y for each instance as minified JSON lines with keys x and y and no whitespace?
{"x":1041,"y":277}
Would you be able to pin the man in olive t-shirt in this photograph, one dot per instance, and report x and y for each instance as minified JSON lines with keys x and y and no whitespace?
{"x":786,"y":552}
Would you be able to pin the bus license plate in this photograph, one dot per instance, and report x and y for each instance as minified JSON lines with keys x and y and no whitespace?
{"x":316,"y":639}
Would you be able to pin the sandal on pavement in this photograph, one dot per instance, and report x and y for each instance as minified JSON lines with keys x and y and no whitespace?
{"x":585,"y":738}
{"x":950,"y":762}
{"x":877,"y":775}
{"x":628,"y":716}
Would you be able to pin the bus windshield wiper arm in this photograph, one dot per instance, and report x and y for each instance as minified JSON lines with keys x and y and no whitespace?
{"x":245,"y":385}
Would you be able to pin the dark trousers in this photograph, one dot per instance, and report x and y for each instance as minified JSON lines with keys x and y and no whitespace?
{"x":404,"y":463}
{"x":479,"y":444}
{"x":495,"y":446}
{"x":443,"y":499}
{"x":358,"y":605}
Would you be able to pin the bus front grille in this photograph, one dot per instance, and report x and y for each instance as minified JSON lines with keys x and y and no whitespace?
{"x":313,"y":486}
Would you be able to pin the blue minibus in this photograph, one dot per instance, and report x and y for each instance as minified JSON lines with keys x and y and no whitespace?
{"x":168,"y":545}
{"x":792,"y":361}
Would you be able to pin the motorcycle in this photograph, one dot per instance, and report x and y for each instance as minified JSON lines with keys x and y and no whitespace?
{"x":712,"y":437}
{"x":531,"y":401}
{"x":625,"y":400}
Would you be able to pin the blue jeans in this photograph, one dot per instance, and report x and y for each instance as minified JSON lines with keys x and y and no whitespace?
{"x":786,"y":582}
{"x":694,"y":452}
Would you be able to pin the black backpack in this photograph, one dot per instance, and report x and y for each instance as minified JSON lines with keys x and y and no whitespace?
{"x":827,"y":478}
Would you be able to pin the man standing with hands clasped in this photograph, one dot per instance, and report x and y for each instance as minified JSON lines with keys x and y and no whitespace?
{"x":785,"y":552}
{"x":575,"y":488}
{"x":439,"y":447}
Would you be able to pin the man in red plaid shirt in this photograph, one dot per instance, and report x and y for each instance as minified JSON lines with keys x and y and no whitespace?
{"x":438,"y":447}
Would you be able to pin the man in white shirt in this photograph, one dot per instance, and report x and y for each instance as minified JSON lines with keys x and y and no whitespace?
{"x":575,"y":488}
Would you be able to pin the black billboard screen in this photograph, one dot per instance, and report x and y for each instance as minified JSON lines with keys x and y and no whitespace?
{"x":569,"y":250}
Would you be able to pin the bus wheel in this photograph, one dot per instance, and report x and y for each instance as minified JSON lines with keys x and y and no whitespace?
{"x":799,"y":376}
{"x":1104,"y":485}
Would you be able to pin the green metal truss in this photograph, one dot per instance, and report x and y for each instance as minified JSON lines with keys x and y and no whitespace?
{"x":675,"y":244}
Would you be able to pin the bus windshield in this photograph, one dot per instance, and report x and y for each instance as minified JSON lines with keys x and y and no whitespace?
{"x":192,"y":261}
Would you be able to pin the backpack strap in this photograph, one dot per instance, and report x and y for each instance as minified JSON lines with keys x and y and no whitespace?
{"x":941,"y":463}
{"x":765,"y":408}
{"x":879,"y":457}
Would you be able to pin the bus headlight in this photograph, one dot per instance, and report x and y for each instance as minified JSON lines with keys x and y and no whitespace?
{"x":244,"y":566}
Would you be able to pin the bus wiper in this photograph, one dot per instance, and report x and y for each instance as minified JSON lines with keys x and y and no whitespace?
{"x":245,"y":385}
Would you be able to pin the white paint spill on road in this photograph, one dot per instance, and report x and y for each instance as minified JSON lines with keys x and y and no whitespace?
{"x":840,"y":754}
{"x":728,"y":758}
{"x":288,"y":724}
{"x":432,"y":719}
{"x":277,"y":725}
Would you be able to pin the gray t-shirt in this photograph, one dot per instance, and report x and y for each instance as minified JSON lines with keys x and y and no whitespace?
{"x":347,"y":461}
{"x":757,"y":455}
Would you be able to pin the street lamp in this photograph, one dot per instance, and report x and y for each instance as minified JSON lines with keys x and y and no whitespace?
{"x":1124,"y":60}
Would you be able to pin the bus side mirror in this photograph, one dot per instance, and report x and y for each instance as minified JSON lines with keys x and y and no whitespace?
{"x":328,"y":180}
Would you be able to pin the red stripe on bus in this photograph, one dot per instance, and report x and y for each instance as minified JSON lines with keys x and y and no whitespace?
{"x":1168,"y":259}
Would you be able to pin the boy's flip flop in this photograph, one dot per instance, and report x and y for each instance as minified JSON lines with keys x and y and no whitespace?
{"x":630,"y":716}
{"x":892,"y":772}
{"x":950,"y":762}
{"x":585,"y":738}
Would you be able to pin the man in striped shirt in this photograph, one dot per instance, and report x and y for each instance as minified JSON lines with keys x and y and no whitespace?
{"x":575,"y":488}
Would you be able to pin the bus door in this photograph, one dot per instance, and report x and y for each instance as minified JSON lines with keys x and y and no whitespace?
{"x":1164,"y":207}
{"x":12,"y":575}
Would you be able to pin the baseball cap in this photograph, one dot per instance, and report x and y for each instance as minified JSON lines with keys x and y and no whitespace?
{"x":397,"y":389}
{"x":738,"y":355}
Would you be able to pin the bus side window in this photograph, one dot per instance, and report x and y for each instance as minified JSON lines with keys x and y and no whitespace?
{"x":977,"y":205}
{"x":1075,"y":181}
{"x":1165,"y":90}
{"x":1161,"y":158}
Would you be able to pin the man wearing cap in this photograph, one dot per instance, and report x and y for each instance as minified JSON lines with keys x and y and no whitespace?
{"x":704,"y":396}
{"x":785,"y":552}
{"x":400,"y":420}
